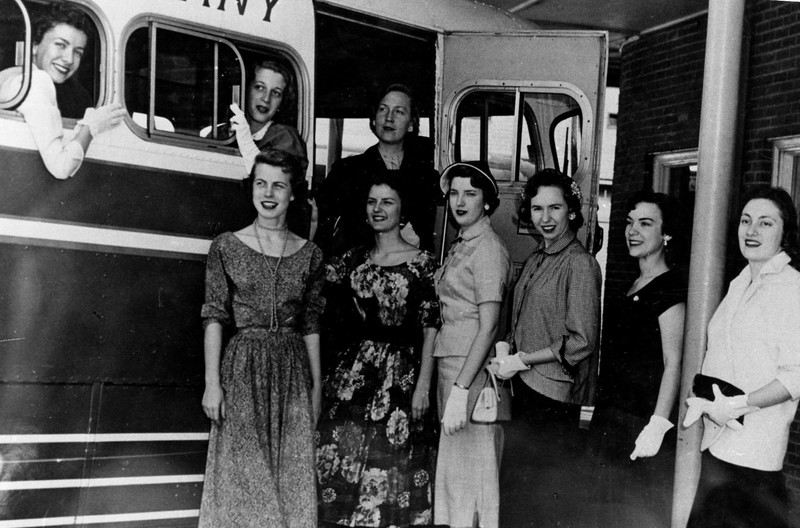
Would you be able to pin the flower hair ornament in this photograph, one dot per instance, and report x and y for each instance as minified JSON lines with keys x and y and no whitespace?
{"x":574,"y":189}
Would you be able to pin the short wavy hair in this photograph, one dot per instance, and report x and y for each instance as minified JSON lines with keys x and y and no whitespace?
{"x":292,"y":166}
{"x":414,"y":110}
{"x":60,"y":13}
{"x":480,"y":177}
{"x":790,"y":241}
{"x":553,"y":178}
{"x":289,"y":93}
{"x":671,"y":225}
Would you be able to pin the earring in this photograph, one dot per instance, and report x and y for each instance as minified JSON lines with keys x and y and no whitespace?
{"x":572,"y":216}
{"x":486,"y":206}
{"x":665,"y":242}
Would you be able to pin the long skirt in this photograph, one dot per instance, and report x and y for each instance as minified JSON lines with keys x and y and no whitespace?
{"x":260,"y":466}
{"x":467,"y":487}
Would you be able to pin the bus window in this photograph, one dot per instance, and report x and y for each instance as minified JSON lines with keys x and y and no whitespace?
{"x":194,"y":79}
{"x":544,"y":133}
{"x":560,"y":116}
{"x":15,"y":35}
{"x":179,"y":84}
{"x":81,"y":90}
{"x":486,"y":130}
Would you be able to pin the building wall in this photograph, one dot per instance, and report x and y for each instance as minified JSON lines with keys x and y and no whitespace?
{"x":659,"y":111}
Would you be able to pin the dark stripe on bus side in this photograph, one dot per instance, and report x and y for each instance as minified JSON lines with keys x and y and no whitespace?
{"x":80,"y":316}
{"x":112,"y":195}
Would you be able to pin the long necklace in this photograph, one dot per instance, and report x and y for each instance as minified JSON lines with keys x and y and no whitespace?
{"x":273,"y":320}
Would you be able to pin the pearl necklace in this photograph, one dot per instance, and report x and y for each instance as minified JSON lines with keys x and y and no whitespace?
{"x":273,"y":320}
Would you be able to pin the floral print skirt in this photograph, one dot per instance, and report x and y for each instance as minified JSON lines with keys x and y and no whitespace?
{"x":375,"y":465}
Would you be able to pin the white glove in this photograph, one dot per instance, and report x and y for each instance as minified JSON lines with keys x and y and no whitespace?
{"x":649,"y":441}
{"x":697,"y":408}
{"x":455,"y":410}
{"x":724,"y":410}
{"x":101,"y":119}
{"x":505,"y":367}
{"x":247,"y":146}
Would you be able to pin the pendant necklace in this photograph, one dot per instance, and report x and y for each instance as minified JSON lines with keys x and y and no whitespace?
{"x":273,"y":320}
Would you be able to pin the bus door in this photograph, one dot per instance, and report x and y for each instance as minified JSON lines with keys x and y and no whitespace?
{"x":522,"y":101}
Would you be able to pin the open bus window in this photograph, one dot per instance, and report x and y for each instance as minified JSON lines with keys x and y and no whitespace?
{"x":544,"y":132}
{"x":78,"y":92}
{"x":179,"y":84}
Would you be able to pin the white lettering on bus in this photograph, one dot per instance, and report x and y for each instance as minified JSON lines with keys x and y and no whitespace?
{"x":241,"y":5}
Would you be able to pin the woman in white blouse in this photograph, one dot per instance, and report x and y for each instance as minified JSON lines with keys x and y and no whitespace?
{"x":754,"y":344}
{"x":59,"y":41}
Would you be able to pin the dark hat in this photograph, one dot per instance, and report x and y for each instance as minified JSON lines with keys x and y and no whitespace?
{"x":466,"y":169}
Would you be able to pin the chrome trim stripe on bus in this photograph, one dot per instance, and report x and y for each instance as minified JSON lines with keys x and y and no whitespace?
{"x":98,"y":482}
{"x":101,"y":438}
{"x":100,"y":519}
{"x":23,"y":230}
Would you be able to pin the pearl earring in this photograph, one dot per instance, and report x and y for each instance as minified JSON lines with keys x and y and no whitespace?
{"x":486,"y":206}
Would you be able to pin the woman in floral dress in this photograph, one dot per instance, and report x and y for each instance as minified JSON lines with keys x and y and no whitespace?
{"x":263,"y":394}
{"x":376,"y":439}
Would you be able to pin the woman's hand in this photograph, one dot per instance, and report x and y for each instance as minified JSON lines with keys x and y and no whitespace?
{"x":101,"y":119}
{"x":420,"y":403}
{"x":214,"y":403}
{"x":649,"y":441}
{"x":505,"y":367}
{"x":455,"y":411}
{"x":723,"y":411}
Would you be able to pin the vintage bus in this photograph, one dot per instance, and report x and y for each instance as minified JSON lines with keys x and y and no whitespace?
{"x":101,"y":364}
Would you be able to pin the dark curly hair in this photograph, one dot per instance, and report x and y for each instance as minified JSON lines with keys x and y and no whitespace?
{"x":60,"y":13}
{"x":394,"y":181}
{"x":674,"y":251}
{"x":552,"y":178}
{"x":790,"y":241}
{"x":402,"y":88}
{"x":292,"y":166}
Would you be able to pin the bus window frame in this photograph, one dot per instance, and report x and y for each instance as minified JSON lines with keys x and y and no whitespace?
{"x":236,"y":42}
{"x":521,"y":89}
{"x":27,"y":61}
{"x":102,"y":79}
{"x":551,"y":136}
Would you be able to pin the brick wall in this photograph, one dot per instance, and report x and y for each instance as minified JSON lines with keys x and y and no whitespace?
{"x":659,"y":110}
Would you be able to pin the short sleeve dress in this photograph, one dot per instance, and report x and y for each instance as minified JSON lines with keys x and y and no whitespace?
{"x":375,"y":463}
{"x":631,"y":367}
{"x":260,"y":466}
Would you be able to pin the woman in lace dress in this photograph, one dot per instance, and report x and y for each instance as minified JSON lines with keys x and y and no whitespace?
{"x":376,"y":440}
{"x":263,"y":393}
